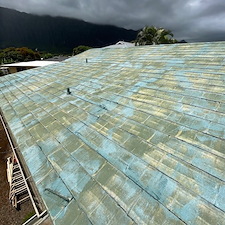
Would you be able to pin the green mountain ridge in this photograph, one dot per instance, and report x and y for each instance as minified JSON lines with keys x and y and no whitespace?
{"x":55,"y":34}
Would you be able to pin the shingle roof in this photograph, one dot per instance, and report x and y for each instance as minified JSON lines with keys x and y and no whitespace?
{"x":140,"y":139}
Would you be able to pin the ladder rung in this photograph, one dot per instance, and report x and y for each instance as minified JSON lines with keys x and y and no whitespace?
{"x":20,"y":190}
{"x":16,"y":172}
{"x":18,"y":183}
{"x":24,"y":199}
{"x":17,"y":176}
{"x":15,"y":166}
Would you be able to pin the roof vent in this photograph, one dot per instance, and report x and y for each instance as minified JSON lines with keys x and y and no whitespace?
{"x":68,"y":91}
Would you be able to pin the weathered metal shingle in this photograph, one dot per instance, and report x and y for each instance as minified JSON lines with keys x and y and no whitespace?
{"x":140,"y":139}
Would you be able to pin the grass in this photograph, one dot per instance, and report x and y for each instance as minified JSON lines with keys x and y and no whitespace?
{"x":28,"y":216}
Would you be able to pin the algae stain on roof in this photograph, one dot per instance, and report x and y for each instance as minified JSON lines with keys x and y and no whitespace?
{"x":140,"y":139}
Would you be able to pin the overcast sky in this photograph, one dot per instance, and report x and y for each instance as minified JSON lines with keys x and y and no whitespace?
{"x":192,"y":20}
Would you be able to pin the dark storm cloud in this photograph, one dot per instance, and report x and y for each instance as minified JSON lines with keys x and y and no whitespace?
{"x":196,"y":20}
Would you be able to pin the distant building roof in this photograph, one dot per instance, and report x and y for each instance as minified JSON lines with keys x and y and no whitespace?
{"x":59,"y":58}
{"x":37,"y":63}
{"x":139,"y":140}
{"x":121,"y":44}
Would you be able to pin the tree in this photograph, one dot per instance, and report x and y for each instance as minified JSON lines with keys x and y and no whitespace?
{"x":12,"y":54}
{"x":154,"y":36}
{"x":47,"y":55}
{"x":79,"y":49}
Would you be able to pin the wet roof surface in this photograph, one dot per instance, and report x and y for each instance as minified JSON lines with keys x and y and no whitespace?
{"x":140,"y":139}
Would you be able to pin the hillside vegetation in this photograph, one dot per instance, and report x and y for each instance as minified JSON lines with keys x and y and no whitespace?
{"x":55,"y":34}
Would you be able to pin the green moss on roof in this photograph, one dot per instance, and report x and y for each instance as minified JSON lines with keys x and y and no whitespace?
{"x":140,"y":139}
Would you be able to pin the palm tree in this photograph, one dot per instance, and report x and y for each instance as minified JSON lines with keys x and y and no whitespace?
{"x":154,"y":36}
